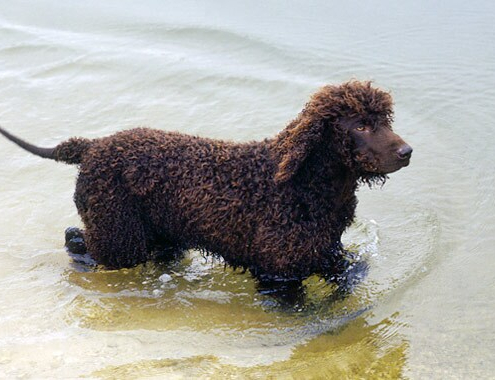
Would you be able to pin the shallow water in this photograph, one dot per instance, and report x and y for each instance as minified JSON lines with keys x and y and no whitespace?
{"x":242,"y":71}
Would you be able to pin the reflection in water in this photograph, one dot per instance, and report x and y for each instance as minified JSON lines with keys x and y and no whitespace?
{"x":319,"y":321}
{"x":200,"y":292}
{"x":358,"y":350}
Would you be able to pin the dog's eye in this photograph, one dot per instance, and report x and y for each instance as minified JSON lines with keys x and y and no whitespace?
{"x":361,"y":128}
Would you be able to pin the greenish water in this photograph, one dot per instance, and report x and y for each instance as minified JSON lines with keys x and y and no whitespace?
{"x":242,"y":70}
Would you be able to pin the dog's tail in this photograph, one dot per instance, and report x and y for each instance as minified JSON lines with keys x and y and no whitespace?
{"x":71,"y":151}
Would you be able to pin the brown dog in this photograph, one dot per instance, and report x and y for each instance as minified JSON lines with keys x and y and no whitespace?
{"x":277,"y":207}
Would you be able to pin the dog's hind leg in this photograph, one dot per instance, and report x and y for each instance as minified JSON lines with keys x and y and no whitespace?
{"x":74,"y":241}
{"x":76,"y":247}
{"x":115,"y":234}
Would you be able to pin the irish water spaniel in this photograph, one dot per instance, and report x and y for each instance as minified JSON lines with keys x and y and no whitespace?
{"x":276,"y":207}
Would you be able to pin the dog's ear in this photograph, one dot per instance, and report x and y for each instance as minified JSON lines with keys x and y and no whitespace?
{"x":295,"y":143}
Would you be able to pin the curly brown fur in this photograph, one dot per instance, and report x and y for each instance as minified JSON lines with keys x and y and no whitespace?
{"x":276,"y":207}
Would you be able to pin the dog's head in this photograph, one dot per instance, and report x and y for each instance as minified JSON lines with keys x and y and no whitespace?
{"x":348,"y":124}
{"x":375,"y":147}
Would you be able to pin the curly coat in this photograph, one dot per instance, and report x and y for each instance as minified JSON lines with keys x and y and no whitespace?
{"x":277,"y":207}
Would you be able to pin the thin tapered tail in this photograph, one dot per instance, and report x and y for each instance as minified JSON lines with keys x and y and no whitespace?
{"x":71,"y":151}
{"x":38,"y":151}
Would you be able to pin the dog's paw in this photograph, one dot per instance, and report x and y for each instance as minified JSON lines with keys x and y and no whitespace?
{"x":74,"y":241}
{"x":76,"y":247}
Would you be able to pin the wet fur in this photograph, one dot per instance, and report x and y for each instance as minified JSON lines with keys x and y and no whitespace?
{"x":276,"y":207}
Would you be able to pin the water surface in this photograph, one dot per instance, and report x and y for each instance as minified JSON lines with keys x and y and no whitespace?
{"x":242,"y":71}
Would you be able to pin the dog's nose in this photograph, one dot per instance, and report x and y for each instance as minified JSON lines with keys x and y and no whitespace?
{"x":404,"y":152}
